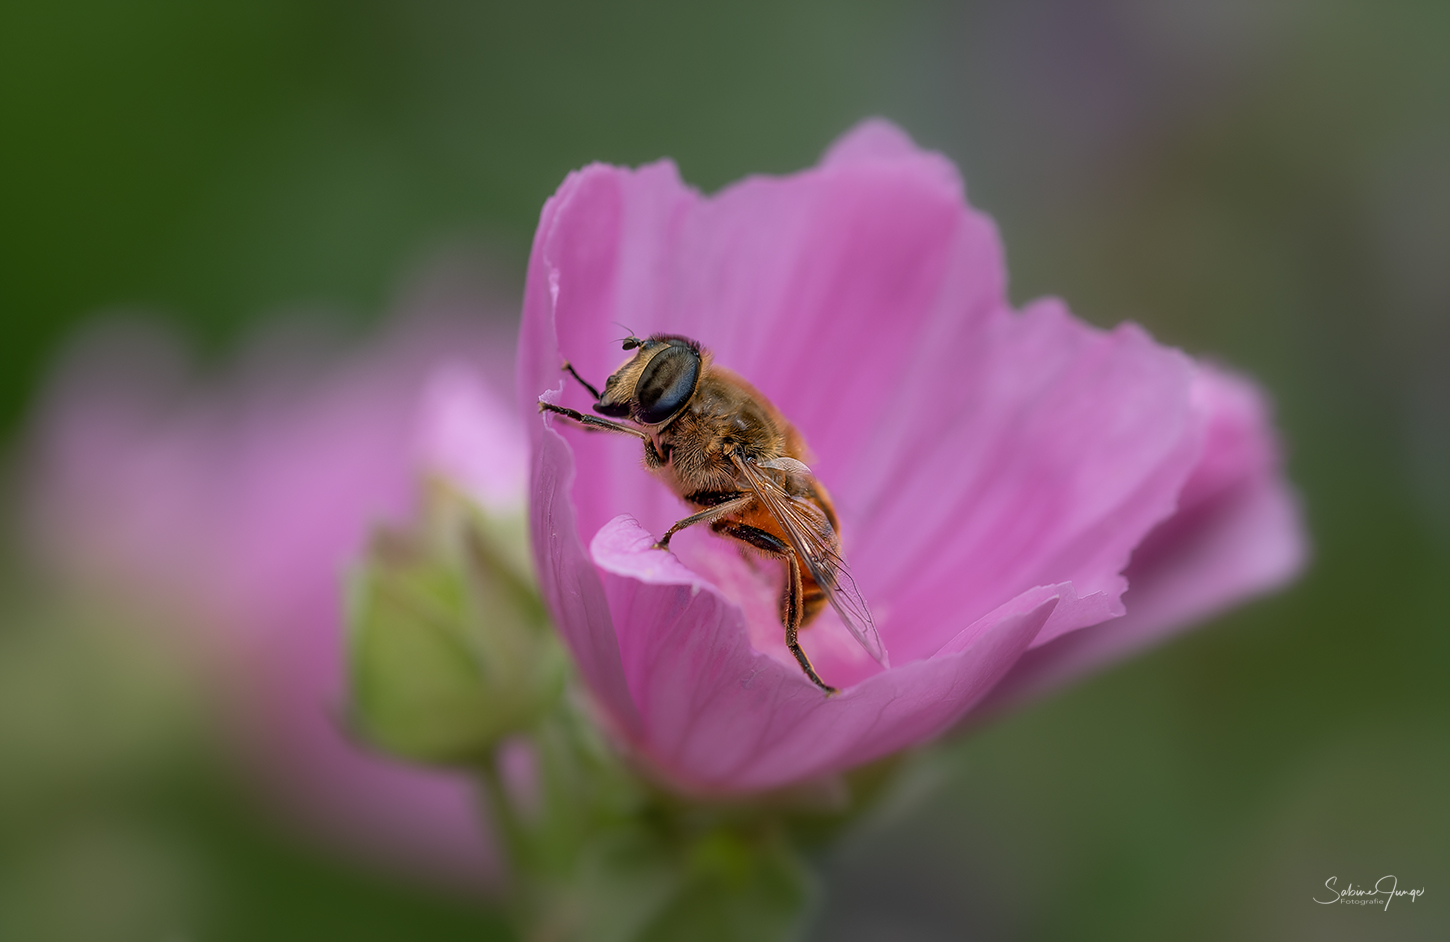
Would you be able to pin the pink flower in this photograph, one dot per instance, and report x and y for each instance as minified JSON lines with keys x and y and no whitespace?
{"x":238,"y":506}
{"x":1002,"y":477}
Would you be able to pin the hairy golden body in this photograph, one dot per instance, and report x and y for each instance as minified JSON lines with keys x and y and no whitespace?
{"x":730,"y":416}
{"x":727,"y":451}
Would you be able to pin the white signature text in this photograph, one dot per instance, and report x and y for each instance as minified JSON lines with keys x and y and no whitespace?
{"x":1385,"y":889}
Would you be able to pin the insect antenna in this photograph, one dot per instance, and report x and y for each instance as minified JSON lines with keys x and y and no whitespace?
{"x":630,"y":341}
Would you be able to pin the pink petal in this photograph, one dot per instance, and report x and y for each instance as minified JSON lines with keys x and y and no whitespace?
{"x":1238,"y":534}
{"x":717,"y":715}
{"x":570,"y":585}
{"x":1042,"y":452}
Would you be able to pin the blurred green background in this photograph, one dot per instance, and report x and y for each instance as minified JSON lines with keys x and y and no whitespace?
{"x":1264,"y":183}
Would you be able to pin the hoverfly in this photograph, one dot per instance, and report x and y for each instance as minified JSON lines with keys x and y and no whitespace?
{"x":727,"y":451}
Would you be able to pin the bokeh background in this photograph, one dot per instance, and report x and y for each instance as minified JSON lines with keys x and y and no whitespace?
{"x":1266,"y":183}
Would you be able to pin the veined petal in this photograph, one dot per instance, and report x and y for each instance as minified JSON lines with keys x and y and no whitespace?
{"x":717,"y":715}
{"x":1237,"y":533}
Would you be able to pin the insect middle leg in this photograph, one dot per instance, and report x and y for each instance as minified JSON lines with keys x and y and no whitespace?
{"x":792,"y":598}
{"x":721,"y":505}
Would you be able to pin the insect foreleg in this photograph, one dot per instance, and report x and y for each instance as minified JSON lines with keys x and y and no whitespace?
{"x":569,"y":368}
{"x":594,"y":422}
{"x":792,"y":599}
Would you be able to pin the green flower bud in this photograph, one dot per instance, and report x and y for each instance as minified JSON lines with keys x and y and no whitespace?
{"x":449,"y":648}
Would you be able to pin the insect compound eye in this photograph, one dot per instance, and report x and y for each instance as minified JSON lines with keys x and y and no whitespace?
{"x":667,"y":383}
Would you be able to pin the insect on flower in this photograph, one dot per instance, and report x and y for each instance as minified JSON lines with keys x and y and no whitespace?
{"x":723,"y":448}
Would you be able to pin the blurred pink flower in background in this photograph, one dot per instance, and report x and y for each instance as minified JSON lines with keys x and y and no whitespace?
{"x":237,"y":505}
{"x":1002,"y":477}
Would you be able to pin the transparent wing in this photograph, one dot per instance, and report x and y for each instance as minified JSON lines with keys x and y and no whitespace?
{"x":803,"y":523}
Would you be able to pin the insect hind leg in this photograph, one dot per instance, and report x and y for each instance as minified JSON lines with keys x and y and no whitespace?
{"x":792,"y":602}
